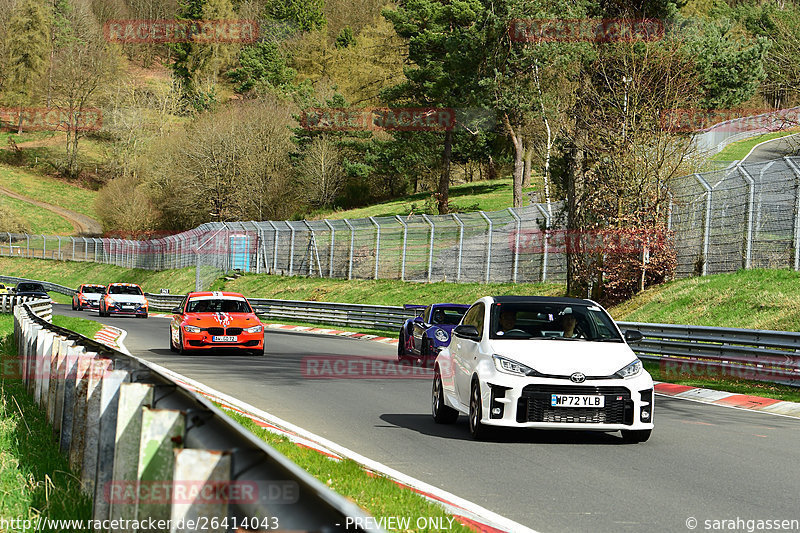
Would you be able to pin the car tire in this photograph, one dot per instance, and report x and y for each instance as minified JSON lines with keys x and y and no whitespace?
{"x":181,"y":349}
{"x":172,"y":347}
{"x":633,"y":436}
{"x":401,"y":345}
{"x":424,"y":349}
{"x":442,"y":414}
{"x":74,"y":307}
{"x":476,"y":427}
{"x":142,"y":316}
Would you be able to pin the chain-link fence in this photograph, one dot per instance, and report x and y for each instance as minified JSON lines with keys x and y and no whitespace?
{"x":745,"y":216}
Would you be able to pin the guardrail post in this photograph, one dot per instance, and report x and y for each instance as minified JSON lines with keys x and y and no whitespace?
{"x":750,"y":203}
{"x":77,"y":441}
{"x":706,"y":222}
{"x":796,"y":236}
{"x":97,"y":373}
{"x":430,"y":246}
{"x":127,"y":438}
{"x":403,"y":253}
{"x":44,"y":352}
{"x":377,"y":244}
{"x":516,"y":244}
{"x":352,"y":244}
{"x":162,"y":433}
{"x":197,"y":468}
{"x":488,"y":245}
{"x":333,"y":244}
{"x":65,"y":411}
{"x":109,"y":404}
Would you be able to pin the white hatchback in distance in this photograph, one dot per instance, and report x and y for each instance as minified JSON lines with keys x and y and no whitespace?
{"x":541,"y":362}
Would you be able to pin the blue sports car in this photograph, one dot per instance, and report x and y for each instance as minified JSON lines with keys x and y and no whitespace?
{"x":423,"y":336}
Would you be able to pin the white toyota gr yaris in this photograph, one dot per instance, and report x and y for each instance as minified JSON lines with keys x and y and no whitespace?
{"x":540,"y":362}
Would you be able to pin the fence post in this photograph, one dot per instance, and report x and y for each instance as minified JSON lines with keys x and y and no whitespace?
{"x":274,"y":247}
{"x":44,"y":245}
{"x":59,"y":247}
{"x":750,"y":202}
{"x":796,"y":171}
{"x":488,"y":245}
{"x":352,"y":243}
{"x":516,"y":243}
{"x":460,"y":245}
{"x":291,"y":249}
{"x":430,"y":246}
{"x":546,"y":214}
{"x":27,"y":245}
{"x":706,"y":222}
{"x":377,"y":244}
{"x":403,"y":253}
{"x":333,"y":243}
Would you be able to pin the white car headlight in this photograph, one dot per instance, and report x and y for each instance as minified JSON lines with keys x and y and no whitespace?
{"x":254,"y":329}
{"x":509,"y":366}
{"x":441,"y":335}
{"x":192,"y":329}
{"x":630,"y":370}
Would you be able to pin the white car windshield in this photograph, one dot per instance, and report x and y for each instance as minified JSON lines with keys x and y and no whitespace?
{"x":125,"y":289}
{"x":551,"y":320}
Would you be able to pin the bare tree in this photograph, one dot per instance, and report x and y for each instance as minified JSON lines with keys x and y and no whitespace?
{"x":320,"y":174}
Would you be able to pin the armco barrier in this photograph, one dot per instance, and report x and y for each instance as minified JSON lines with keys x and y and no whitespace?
{"x":146,"y":448}
{"x":700,"y":350}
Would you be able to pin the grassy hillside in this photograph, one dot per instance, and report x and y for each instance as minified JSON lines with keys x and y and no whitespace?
{"x":736,"y":151}
{"x":488,"y":195}
{"x":47,"y":189}
{"x":36,"y":219}
{"x":756,"y":299}
{"x":384,"y":292}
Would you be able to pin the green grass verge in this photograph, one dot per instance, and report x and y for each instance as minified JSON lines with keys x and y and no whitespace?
{"x":487,"y":195}
{"x":47,"y":189}
{"x":26,"y":136}
{"x":753,"y":299}
{"x":36,"y":219}
{"x":736,"y":151}
{"x":378,"y":495}
{"x":85,"y":327}
{"x":35,"y":479}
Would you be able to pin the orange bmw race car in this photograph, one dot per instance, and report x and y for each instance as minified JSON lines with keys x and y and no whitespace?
{"x":209,"y":320}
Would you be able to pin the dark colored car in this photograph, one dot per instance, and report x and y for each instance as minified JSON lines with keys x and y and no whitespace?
{"x":87,"y":297}
{"x":31,"y":289}
{"x":423,"y":336}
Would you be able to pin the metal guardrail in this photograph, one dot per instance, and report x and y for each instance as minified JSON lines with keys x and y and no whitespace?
{"x":42,"y":308}
{"x":682,"y":349}
{"x":54,"y":287}
{"x":699,"y":351}
{"x":131,"y":433}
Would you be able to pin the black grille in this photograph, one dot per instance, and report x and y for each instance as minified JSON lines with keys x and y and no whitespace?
{"x":535,"y":406}
{"x":234,"y":331}
{"x":216,"y":331}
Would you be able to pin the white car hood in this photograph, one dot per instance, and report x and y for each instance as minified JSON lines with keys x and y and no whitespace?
{"x":563,"y":357}
{"x":92,"y":296}
{"x":127,"y":298}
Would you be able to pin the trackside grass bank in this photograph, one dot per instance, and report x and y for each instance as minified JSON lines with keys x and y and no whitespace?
{"x":35,"y":480}
{"x":379,"y":496}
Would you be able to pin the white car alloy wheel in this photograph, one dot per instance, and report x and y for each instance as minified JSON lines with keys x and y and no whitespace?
{"x":442,"y":414}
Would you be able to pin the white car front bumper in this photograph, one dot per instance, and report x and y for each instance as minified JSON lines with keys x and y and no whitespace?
{"x":527,"y":402}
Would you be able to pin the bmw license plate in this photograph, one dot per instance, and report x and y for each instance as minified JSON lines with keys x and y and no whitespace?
{"x":224,"y":338}
{"x":575,"y":400}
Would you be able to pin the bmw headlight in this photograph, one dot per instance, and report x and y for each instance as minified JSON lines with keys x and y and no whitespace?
{"x":441,"y":335}
{"x":254,"y":329}
{"x":192,"y":329}
{"x":630,"y":370}
{"x":509,"y":366}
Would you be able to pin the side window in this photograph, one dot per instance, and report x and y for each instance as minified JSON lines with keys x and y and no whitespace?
{"x":426,"y":315}
{"x":474,"y":317}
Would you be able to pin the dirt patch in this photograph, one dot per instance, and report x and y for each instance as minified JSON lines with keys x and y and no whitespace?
{"x":84,"y":226}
